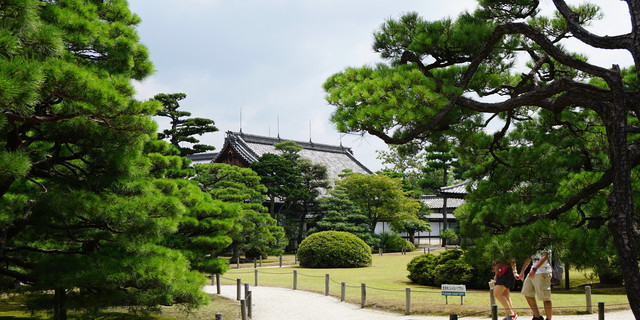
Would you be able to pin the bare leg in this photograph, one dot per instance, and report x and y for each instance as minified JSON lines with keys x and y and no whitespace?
{"x":502,"y":295}
{"x":507,"y":295}
{"x":534,"y":306}
{"x":547,"y":309}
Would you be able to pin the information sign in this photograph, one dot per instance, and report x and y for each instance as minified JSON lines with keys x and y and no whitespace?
{"x":454,"y":290}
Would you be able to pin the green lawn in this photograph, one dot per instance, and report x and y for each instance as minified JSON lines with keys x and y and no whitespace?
{"x":386,"y":281}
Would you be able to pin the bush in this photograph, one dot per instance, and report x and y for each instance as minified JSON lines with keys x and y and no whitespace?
{"x":392,"y":242}
{"x":334,"y":249}
{"x":421,"y":269}
{"x":255,"y":253}
{"x":448,"y":267}
{"x":453,"y":272}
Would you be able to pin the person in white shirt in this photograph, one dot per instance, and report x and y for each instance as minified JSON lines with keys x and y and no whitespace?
{"x":538,"y":283}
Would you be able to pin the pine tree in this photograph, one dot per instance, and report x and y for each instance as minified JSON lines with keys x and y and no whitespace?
{"x":183,"y":129}
{"x":76,"y":216}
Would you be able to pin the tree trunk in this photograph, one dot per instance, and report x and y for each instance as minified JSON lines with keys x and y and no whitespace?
{"x":59,"y":306}
{"x":444,"y":220}
{"x":624,"y":228}
{"x":567,"y":285}
{"x":236,"y":250}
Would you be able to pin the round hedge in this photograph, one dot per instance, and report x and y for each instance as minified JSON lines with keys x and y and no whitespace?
{"x":448,"y":267}
{"x":334,"y":249}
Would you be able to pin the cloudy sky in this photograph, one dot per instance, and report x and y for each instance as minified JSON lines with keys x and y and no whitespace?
{"x":256,"y":63}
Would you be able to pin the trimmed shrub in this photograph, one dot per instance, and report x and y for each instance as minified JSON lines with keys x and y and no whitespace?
{"x":453,"y":272}
{"x":448,"y":267}
{"x":334,"y":249}
{"x":421,"y":269}
{"x":393,"y":242}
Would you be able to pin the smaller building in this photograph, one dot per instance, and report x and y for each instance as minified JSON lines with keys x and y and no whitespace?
{"x":442,"y":204}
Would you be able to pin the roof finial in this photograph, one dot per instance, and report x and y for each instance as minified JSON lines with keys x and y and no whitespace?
{"x":278,"y":126}
{"x":240,"y":120}
{"x":310,"y":132}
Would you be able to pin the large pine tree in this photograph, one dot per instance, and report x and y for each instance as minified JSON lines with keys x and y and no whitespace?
{"x":74,"y":217}
{"x":536,"y":182}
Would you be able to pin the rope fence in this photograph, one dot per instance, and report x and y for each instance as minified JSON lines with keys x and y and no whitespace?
{"x":429,"y":295}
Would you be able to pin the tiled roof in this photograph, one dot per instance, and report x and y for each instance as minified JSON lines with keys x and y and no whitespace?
{"x":459,"y":189}
{"x":436,"y":203}
{"x":206,"y":157}
{"x":335,"y":158}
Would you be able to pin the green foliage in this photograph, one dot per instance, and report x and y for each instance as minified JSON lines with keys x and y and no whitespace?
{"x":421,"y":269}
{"x":342,"y":214}
{"x":183,"y":129}
{"x":393,"y":242}
{"x":334,"y":249}
{"x":203,"y":230}
{"x":449,"y":235}
{"x":296,"y":182}
{"x":448,"y":267}
{"x":257,"y":234}
{"x":561,"y":171}
{"x":80,"y":209}
{"x":379,"y":196}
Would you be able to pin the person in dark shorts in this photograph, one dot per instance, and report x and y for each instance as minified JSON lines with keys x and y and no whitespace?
{"x":505,"y":278}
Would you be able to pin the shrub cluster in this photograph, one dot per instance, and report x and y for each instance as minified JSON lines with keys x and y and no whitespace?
{"x":393,"y":242}
{"x":334,"y":249}
{"x":448,"y":267}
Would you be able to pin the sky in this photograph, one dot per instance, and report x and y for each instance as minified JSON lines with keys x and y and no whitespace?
{"x":259,"y":65}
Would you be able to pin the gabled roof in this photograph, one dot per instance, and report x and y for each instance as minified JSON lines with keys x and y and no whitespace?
{"x":205,"y":157}
{"x":336,"y":158}
{"x":436,"y":202}
{"x":455,"y":191}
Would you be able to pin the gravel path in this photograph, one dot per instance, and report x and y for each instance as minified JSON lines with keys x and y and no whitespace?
{"x":286,"y":304}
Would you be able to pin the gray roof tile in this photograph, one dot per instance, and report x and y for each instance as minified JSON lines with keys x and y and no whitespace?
{"x":335,"y":158}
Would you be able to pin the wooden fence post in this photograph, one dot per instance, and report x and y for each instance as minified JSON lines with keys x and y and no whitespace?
{"x":256,"y":277}
{"x":326,"y":284}
{"x":243,"y":309}
{"x":588,"y":296}
{"x":408,"y":295}
{"x":260,"y":260}
{"x":453,"y":316}
{"x":492,"y":298}
{"x":295,"y":279}
{"x":343,"y":291}
{"x":239,"y":288}
{"x":237,"y":262}
{"x":249,"y":303}
{"x":494,"y":312}
{"x":363,"y":295}
{"x":218,"y":283}
{"x":218,"y":316}
{"x":246,"y":290}
{"x":280,"y":261}
{"x":600,"y":310}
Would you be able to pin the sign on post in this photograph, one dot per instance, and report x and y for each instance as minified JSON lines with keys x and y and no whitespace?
{"x":456,"y":290}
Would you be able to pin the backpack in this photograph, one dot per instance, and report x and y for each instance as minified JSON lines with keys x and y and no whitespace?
{"x":557,"y":271}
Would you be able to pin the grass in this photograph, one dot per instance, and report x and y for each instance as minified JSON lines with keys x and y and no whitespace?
{"x":12,"y":307}
{"x":386,"y":281}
